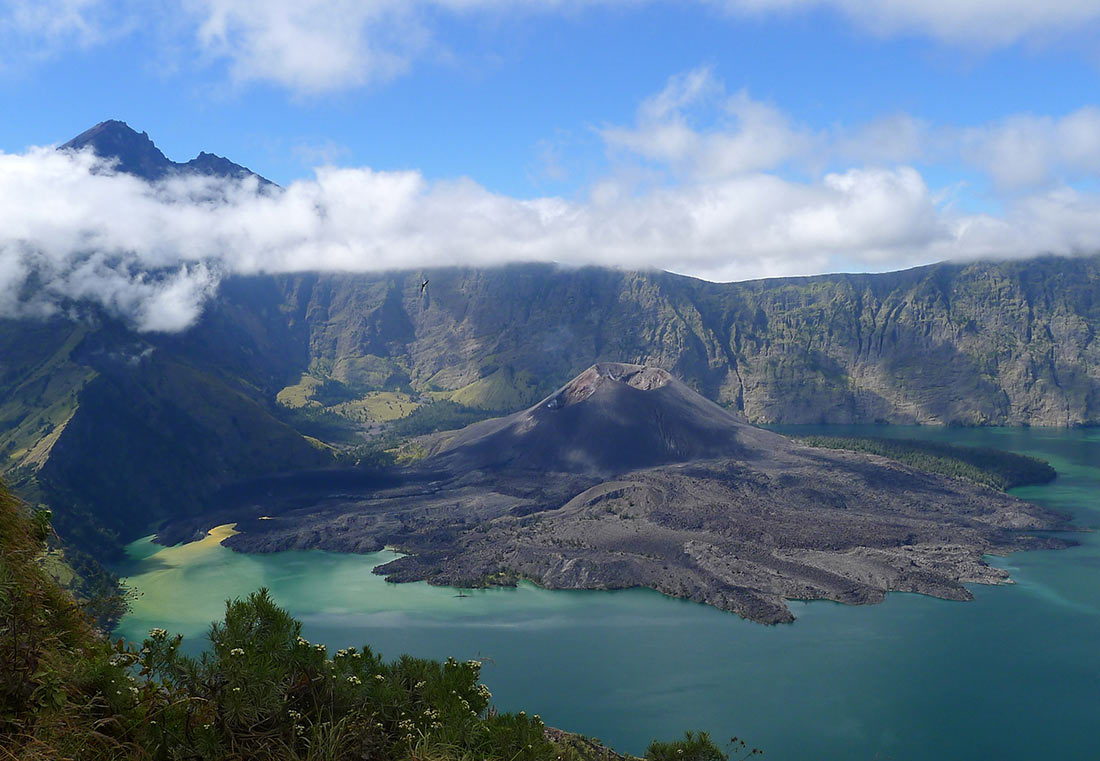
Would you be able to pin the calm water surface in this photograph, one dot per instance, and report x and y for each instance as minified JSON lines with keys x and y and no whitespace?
{"x":1015,"y":674}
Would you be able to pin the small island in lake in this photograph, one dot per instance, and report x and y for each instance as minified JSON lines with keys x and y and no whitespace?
{"x":626,"y":477}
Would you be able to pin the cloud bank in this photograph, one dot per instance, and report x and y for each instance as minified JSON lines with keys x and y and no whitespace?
{"x":718,"y":201}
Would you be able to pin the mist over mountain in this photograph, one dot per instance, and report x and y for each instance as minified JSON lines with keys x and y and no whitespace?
{"x":90,"y":227}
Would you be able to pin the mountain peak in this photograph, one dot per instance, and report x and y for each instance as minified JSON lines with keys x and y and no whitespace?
{"x":137,"y":154}
{"x":134,"y":151}
{"x":611,"y":418}
{"x":604,"y":374}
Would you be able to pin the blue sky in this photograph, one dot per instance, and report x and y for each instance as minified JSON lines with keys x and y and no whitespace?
{"x":496,"y":91}
{"x":722,"y":138}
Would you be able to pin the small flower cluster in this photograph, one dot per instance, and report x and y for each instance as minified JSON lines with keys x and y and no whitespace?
{"x":302,"y":641}
{"x":354,"y":679}
{"x":237,"y":651}
{"x":158,"y":633}
{"x":483,"y":692}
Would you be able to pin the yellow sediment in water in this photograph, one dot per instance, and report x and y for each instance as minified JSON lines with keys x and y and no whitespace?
{"x":161,"y":596}
{"x":185,"y":554}
{"x":221,"y":533}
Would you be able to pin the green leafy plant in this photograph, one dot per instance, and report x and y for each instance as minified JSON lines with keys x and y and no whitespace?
{"x":697,"y":746}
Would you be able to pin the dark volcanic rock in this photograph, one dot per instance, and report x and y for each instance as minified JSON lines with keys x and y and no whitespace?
{"x":135,"y":153}
{"x":611,"y":418}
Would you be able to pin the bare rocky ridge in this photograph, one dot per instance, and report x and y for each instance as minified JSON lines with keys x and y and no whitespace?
{"x":734,"y":516}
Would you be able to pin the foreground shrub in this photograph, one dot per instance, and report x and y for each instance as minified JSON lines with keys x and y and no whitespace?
{"x":697,"y":746}
{"x":264,"y":691}
{"x":261,"y":692}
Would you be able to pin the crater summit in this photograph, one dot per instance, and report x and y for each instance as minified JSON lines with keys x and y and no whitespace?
{"x":612,"y":418}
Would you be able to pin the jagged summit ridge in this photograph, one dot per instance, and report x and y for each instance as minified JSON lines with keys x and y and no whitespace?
{"x":611,"y":418}
{"x":137,"y":154}
{"x":601,"y":375}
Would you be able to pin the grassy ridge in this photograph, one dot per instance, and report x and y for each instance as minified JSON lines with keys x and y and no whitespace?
{"x":992,"y":467}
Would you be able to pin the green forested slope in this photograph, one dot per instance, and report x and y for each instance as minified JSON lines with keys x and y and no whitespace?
{"x":992,"y":467}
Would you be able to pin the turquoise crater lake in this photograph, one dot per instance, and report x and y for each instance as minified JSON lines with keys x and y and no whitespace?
{"x":1014,"y":674}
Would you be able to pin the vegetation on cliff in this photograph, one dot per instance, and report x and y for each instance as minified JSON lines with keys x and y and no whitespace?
{"x":992,"y":467}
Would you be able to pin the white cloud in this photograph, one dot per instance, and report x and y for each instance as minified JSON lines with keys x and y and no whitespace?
{"x":728,"y":208}
{"x":310,"y":45}
{"x":743,"y":135}
{"x":154,"y":253}
{"x":985,"y":22}
{"x":697,"y":131}
{"x":1026,"y":151}
{"x":317,"y":46}
{"x":35,"y":29}
{"x":893,"y":139}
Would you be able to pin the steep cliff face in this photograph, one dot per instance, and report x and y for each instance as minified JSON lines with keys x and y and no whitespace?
{"x":1010,"y":343}
{"x":1007,"y":343}
{"x":87,"y":405}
